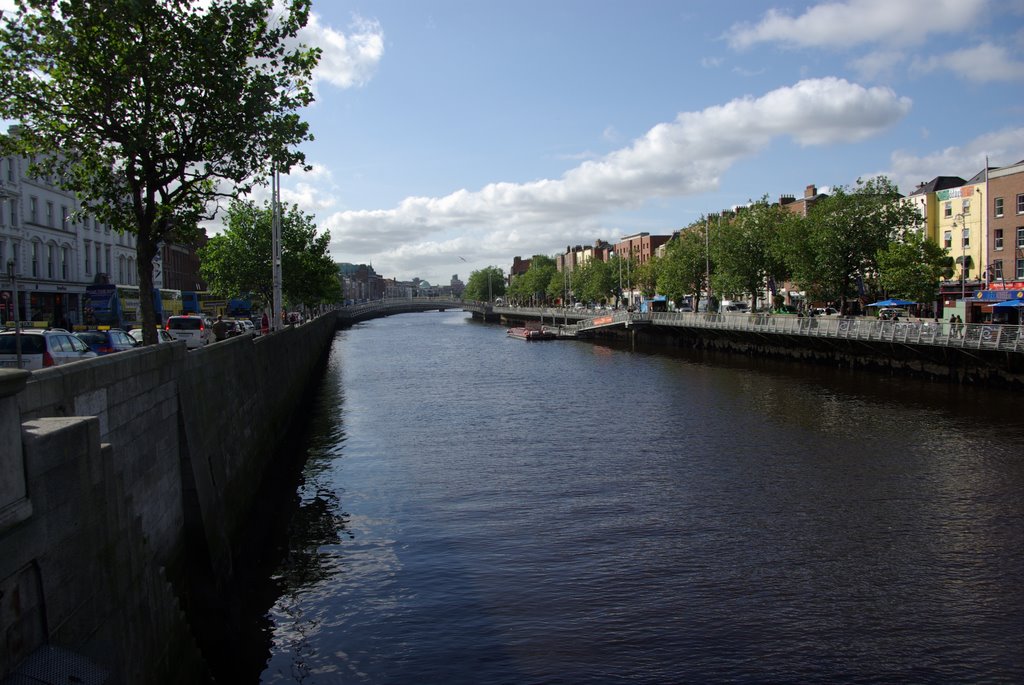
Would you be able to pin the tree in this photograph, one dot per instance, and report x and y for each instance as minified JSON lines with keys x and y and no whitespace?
{"x":143,"y":107}
{"x":592,"y":281}
{"x":683,"y":271}
{"x":238,"y":261}
{"x":533,"y":285}
{"x":745,"y":258}
{"x":911,"y":268}
{"x":842,"y":236}
{"x":484,"y":285}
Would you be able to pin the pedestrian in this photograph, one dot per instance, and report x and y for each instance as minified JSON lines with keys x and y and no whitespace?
{"x":952,"y":325}
{"x":265,"y":324}
{"x":220,"y":329}
{"x":959,"y":326}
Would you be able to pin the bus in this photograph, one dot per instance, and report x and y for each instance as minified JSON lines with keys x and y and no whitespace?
{"x":117,"y":306}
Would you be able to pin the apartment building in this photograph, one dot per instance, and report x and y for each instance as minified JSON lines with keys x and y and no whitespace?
{"x":1005,"y":210}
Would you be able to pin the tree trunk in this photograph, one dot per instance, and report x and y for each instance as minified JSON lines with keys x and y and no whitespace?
{"x":145,"y":250}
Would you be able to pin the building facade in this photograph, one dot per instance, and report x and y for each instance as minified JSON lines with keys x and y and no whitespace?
{"x":1005,"y":210}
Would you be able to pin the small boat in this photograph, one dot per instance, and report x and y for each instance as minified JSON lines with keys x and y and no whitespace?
{"x":524,"y":333}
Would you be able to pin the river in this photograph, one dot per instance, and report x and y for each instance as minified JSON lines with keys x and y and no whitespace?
{"x":480,"y":509}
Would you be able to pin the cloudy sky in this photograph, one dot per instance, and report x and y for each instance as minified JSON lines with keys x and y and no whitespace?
{"x":457,"y":134}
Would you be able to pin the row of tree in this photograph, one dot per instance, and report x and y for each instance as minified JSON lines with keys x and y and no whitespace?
{"x":854,"y":243}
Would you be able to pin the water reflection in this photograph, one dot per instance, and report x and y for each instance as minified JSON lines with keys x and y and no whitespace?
{"x":479,"y":509}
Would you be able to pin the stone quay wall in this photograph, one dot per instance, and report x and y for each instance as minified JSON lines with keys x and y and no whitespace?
{"x":126,"y":482}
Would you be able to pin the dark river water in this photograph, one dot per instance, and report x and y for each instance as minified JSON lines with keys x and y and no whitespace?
{"x":480,"y":509}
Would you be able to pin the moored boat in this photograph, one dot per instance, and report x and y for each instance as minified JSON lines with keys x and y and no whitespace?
{"x":524,"y":333}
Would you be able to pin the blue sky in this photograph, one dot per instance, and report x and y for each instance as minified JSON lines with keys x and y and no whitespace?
{"x":453,"y":135}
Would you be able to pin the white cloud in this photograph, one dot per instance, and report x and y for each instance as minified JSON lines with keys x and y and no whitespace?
{"x":983,"y":63}
{"x":877,"y":65}
{"x":1001,"y":148}
{"x":347,"y":60}
{"x":682,"y":157}
{"x":857,"y":22}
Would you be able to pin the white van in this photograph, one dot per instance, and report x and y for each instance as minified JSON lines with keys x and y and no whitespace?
{"x":192,"y":329}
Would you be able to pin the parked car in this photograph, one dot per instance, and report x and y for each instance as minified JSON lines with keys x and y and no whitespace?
{"x":107,"y":340}
{"x":825,"y":311}
{"x":162,"y":336}
{"x":41,"y":349}
{"x":246,"y":326}
{"x":190,"y":328}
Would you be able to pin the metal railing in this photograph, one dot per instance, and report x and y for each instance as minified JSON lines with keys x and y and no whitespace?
{"x":982,"y":336}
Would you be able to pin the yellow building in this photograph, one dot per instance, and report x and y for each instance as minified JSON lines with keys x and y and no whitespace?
{"x":963,"y":231}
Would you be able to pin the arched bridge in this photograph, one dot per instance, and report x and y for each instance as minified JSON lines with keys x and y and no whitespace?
{"x":393,"y":305}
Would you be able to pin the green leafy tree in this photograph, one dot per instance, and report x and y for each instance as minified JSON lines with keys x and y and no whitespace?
{"x":532,"y":286}
{"x":911,"y":268}
{"x":592,"y":281}
{"x":484,"y":285}
{"x":683,"y":271}
{"x":843,"y":235}
{"x":238,"y":261}
{"x":143,"y":108}
{"x":746,"y":259}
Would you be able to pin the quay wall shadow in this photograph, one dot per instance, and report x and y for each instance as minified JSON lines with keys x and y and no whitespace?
{"x":985,"y":368}
{"x":126,"y":482}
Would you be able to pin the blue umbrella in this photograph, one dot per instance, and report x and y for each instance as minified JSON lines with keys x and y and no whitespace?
{"x":892,"y":303}
{"x":1009,"y":303}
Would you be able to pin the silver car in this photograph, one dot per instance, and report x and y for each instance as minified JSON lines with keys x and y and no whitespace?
{"x":41,"y":349}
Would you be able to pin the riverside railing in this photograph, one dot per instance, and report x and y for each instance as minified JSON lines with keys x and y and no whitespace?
{"x":983,"y":336}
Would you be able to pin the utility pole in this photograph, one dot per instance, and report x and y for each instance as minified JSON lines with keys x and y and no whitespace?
{"x":275,"y":319}
{"x":17,"y":313}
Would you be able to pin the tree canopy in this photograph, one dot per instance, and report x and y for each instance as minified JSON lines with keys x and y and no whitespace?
{"x":143,"y":108}
{"x":484,"y":285}
{"x":238,"y":261}
{"x":684,"y":269}
{"x":911,"y":267}
{"x":533,"y":285}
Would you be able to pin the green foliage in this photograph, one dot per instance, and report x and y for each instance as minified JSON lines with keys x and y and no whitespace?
{"x":911,"y":268}
{"x":593,"y":281}
{"x":238,"y":261}
{"x":533,"y":285}
{"x":839,"y":241}
{"x":484,"y":285}
{"x":142,"y":108}
{"x":746,"y":255}
{"x":683,"y":271}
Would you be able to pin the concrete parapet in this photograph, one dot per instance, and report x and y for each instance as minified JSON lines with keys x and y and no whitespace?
{"x":131,"y":479}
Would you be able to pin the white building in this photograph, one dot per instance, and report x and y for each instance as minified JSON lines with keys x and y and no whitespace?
{"x":54,"y":251}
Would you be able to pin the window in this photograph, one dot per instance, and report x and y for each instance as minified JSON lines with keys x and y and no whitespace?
{"x":16,"y":256}
{"x":33,"y":210}
{"x":947,"y":209}
{"x":88,"y":257}
{"x":65,"y":260}
{"x":1020,"y":270}
{"x":106,"y":262}
{"x":948,"y":240}
{"x":50,"y":254}
{"x":965,"y":207}
{"x":10,"y":168}
{"x":999,"y":239}
{"x":99,"y":264}
{"x":2,"y":215}
{"x":3,"y":261}
{"x":64,"y":218}
{"x":14,"y":212}
{"x":35,"y":260}
{"x":966,"y":238}
{"x":999,"y":206}
{"x":120,"y":270}
{"x":49,"y":214}
{"x":1020,"y":237}
{"x":997,"y":270}
{"x":1020,"y":203}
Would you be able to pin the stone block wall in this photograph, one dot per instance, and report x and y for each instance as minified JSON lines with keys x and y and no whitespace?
{"x":126,"y":482}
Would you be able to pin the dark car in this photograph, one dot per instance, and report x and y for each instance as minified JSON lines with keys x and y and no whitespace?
{"x":107,"y":341}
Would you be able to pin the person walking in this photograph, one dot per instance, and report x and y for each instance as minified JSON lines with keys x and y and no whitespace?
{"x":220,"y":329}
